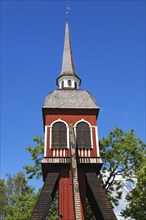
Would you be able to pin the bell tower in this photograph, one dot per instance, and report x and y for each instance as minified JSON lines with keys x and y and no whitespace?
{"x":71,"y":161}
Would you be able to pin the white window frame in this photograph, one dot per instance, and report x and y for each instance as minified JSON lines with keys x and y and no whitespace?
{"x":97,"y":141}
{"x":75,"y":126}
{"x":59,"y":120}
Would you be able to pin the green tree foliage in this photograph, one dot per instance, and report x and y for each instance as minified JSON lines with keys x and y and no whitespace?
{"x":89,"y":212}
{"x":3,"y":200}
{"x":17,"y":198}
{"x":136,"y":207}
{"x":36,"y":155}
{"x":122,"y":154}
{"x":53,"y":212}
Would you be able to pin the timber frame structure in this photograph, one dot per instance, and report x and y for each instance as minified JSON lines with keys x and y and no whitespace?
{"x":81,"y":171}
{"x":71,"y":161}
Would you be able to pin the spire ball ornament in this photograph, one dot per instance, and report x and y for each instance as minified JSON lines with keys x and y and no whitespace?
{"x":67,"y":11}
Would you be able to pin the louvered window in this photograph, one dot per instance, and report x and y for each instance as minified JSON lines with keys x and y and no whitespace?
{"x":83,"y":137}
{"x":59,"y":135}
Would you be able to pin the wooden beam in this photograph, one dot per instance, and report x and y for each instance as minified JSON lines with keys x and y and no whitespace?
{"x":100,"y":205}
{"x":41,"y":209}
{"x":75,"y":181}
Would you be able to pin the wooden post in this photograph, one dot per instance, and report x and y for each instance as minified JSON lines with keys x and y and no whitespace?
{"x":74,"y":169}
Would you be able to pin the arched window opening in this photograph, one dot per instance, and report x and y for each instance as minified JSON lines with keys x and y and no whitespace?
{"x":62,"y":84}
{"x":83,"y":137}
{"x":69,"y":82}
{"x":75,"y":85}
{"x":59,"y":135}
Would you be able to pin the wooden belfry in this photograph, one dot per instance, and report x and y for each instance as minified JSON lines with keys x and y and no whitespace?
{"x":71,"y":160}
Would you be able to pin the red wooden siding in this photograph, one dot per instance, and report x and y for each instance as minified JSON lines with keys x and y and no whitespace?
{"x":71,"y":117}
{"x":94,"y":151}
{"x":66,"y":206}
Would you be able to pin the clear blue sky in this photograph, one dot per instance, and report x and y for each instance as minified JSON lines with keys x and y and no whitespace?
{"x":108,"y":43}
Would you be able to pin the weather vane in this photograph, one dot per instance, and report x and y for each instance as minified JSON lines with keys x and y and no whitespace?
{"x":67,"y":10}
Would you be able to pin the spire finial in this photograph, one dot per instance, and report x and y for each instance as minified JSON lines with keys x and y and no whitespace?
{"x":67,"y":10}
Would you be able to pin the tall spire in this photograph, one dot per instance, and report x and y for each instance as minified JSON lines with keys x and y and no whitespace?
{"x":68,"y":77}
{"x":67,"y":62}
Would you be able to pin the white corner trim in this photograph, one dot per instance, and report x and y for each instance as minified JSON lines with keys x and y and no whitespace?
{"x":97,"y":141}
{"x":45,"y":144}
{"x":91,"y":135}
{"x":50,"y":137}
{"x":75,"y":135}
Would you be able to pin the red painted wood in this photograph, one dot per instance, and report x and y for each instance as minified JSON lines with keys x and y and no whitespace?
{"x":70,"y":116}
{"x":49,"y":119}
{"x":66,"y":207}
{"x":94,"y":151}
{"x":65,"y":190}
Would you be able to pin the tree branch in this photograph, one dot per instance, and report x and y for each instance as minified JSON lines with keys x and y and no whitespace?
{"x":111,"y":174}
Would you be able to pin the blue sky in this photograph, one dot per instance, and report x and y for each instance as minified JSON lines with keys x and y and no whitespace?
{"x":108,"y":43}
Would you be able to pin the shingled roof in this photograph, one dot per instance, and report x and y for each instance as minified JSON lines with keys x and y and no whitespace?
{"x":70,"y":99}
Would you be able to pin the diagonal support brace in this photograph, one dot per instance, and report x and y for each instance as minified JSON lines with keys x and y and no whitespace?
{"x":97,"y":198}
{"x":41,"y":209}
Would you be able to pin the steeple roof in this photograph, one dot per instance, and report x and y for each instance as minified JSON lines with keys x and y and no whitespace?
{"x":68,"y":68}
{"x":67,"y":62}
